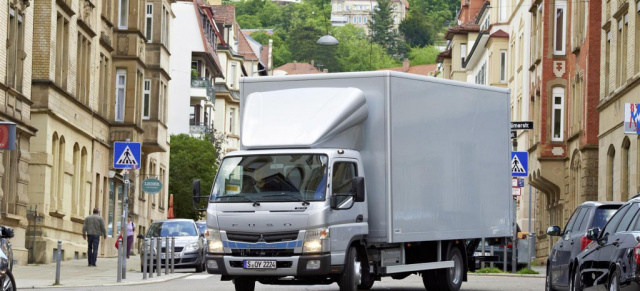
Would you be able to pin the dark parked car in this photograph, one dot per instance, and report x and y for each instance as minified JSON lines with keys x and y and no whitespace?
{"x":6,"y":260}
{"x":573,"y":239}
{"x":189,"y":243}
{"x":611,"y":261}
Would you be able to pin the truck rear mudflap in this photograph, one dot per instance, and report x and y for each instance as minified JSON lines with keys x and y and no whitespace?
{"x":308,"y":265}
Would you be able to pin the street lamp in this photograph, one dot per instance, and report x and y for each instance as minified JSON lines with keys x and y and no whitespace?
{"x":327,"y":39}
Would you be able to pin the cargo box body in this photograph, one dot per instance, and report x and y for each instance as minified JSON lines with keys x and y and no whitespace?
{"x":436,"y":153}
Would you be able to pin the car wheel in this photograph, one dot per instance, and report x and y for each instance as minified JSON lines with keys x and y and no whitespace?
{"x":576,"y":281}
{"x":199,"y":268}
{"x":614,"y":281}
{"x":9,"y":283}
{"x":547,"y":283}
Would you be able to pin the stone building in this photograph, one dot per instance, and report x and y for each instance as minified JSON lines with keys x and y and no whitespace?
{"x":358,"y":12}
{"x":563,"y":97}
{"x":16,"y":57}
{"x":100,"y":75}
{"x":618,"y":156}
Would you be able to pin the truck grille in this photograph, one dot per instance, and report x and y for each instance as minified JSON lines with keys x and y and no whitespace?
{"x":268,"y":237}
{"x":262,"y":253}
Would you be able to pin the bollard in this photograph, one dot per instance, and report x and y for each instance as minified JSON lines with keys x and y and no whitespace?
{"x":482,"y":242}
{"x":119,"y":260}
{"x":152,"y":251}
{"x":58,"y":259}
{"x":145,"y":250}
{"x":492,"y":263}
{"x":166,"y":255}
{"x":158,"y":255}
{"x":505,"y":258}
{"x":173,"y":250}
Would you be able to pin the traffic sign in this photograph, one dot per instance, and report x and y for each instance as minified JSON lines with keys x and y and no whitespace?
{"x":514,"y":134}
{"x":520,"y":182}
{"x":7,"y":136}
{"x":126,"y":155}
{"x":516,"y":191}
{"x":519,"y":164}
{"x":519,"y":125}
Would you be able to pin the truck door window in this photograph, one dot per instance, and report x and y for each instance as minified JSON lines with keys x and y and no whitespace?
{"x":343,"y":174}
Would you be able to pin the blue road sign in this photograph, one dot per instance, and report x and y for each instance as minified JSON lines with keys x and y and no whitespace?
{"x":520,"y":182}
{"x":519,"y":164}
{"x":126,"y":155}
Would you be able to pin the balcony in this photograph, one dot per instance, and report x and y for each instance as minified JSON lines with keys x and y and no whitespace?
{"x":202,"y":89}
{"x":199,"y":128}
{"x":222,"y":88}
{"x":155,"y":137}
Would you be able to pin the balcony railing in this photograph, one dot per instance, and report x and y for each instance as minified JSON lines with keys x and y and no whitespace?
{"x":198,"y":128}
{"x":206,"y":84}
{"x":222,"y":88}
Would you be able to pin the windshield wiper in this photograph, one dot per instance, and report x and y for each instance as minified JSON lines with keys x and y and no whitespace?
{"x":304,"y":202}
{"x":255,"y":203}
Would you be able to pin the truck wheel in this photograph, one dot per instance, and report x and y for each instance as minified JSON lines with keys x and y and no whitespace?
{"x":350,"y":279}
{"x":244,"y":284}
{"x":366,"y":286}
{"x":430,"y":280}
{"x":451,"y":279}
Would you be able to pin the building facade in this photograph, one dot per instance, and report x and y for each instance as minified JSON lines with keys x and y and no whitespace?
{"x":97,"y":79}
{"x":358,"y":12}
{"x":564,"y":95}
{"x":16,"y":58}
{"x":618,"y":155}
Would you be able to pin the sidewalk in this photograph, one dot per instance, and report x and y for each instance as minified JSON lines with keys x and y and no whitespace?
{"x":75,"y":273}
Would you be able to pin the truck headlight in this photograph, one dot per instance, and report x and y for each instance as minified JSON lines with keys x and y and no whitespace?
{"x":214,"y":242}
{"x":316,"y":241}
{"x":191,"y":247}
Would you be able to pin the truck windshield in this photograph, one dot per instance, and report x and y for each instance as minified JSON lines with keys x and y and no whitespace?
{"x":271,"y":178}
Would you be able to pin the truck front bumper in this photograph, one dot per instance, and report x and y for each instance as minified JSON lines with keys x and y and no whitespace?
{"x":308,"y":265}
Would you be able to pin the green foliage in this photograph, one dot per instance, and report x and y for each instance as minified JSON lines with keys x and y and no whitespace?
{"x":527,"y":271}
{"x":418,"y":30}
{"x":190,"y":158}
{"x":281,"y":54}
{"x":249,"y":21}
{"x":423,"y":56}
{"x":381,"y":27}
{"x":488,"y":271}
{"x":356,"y":52}
{"x":270,"y":15}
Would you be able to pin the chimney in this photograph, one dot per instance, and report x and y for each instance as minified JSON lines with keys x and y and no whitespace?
{"x":405,"y":65}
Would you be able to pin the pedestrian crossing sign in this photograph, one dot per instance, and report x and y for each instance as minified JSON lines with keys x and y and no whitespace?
{"x":519,"y":164}
{"x":126,"y":155}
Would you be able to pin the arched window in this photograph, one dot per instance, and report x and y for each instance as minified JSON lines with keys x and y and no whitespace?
{"x":625,"y":176}
{"x":611,"y":154}
{"x":576,"y":178}
{"x":55,"y":152}
{"x":60,"y":175}
{"x":75,"y":187}
{"x":83,"y":193}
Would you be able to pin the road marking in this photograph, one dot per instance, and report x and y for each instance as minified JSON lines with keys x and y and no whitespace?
{"x":198,"y":277}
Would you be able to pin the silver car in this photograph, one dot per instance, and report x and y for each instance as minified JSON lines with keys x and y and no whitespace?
{"x":7,"y":281}
{"x":189,"y":243}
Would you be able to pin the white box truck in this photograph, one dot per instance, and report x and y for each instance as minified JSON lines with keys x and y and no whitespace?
{"x":351,"y":177}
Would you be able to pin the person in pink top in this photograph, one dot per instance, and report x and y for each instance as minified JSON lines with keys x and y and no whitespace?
{"x":131,"y":228}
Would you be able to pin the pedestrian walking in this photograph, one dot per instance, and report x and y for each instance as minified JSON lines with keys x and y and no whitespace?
{"x":92,"y":229}
{"x":131,"y":228}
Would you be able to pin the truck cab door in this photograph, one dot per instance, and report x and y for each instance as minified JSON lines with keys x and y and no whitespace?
{"x":348,"y":217}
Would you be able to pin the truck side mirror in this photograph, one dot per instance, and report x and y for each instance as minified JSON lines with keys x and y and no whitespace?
{"x":196,"y":191}
{"x":357,"y":187}
{"x":554,"y":231}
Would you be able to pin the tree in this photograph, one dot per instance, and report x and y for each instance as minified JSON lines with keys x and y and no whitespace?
{"x":418,"y":30}
{"x":190,"y":158}
{"x":357,"y":53}
{"x":270,"y":15}
{"x":249,"y":21}
{"x":423,"y":56}
{"x":281,"y":54}
{"x":381,"y":27}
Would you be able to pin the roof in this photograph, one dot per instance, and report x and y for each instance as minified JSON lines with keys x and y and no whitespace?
{"x":461,"y":29}
{"x":423,"y":70}
{"x":298,"y":69}
{"x":245,"y":49}
{"x":443,"y":55}
{"x":500,"y":34}
{"x":224,"y":13}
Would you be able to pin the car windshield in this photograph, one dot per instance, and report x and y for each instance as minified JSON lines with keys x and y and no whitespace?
{"x":172,"y":228}
{"x":271,"y":178}
{"x":603,"y":214}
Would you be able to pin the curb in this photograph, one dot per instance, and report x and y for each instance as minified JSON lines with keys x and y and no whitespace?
{"x":124,"y":283}
{"x":508,"y":275}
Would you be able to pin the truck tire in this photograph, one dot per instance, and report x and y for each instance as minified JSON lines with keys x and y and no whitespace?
{"x":244,"y":284}
{"x":430,"y":280}
{"x":352,"y":275}
{"x":366,"y":286}
{"x":451,"y":279}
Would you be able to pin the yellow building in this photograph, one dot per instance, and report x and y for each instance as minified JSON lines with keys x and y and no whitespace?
{"x":100,"y":75}
{"x":16,"y":27}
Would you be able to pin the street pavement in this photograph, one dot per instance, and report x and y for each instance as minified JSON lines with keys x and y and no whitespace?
{"x":75,"y":275}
